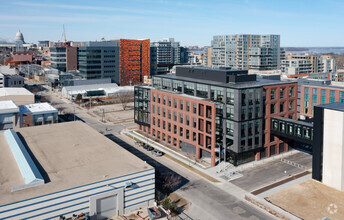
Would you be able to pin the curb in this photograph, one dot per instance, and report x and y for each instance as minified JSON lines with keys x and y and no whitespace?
{"x":272,"y":209}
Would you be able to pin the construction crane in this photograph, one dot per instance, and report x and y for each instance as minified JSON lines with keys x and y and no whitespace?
{"x":64,"y":35}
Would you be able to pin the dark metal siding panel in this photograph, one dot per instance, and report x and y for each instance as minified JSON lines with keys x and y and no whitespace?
{"x":318,"y":143}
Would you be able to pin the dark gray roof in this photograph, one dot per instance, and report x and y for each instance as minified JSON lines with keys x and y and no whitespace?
{"x":238,"y":85}
{"x":295,"y":121}
{"x":334,"y":106}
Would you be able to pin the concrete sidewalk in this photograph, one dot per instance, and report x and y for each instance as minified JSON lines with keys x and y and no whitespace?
{"x":223,"y":171}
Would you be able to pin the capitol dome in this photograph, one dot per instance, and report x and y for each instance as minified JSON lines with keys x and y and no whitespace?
{"x":19,"y":37}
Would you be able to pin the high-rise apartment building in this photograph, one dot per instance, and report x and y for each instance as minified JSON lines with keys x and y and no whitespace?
{"x":168,"y":53}
{"x":202,"y":111}
{"x":245,"y":52}
{"x":297,"y":67}
{"x":328,"y":63}
{"x":207,"y":56}
{"x":295,"y":64}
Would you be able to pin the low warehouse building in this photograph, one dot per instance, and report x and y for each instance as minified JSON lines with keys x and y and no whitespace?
{"x":38,"y":114}
{"x":9,"y":115}
{"x":69,"y":168}
{"x":20,"y":96}
{"x":95,"y":91}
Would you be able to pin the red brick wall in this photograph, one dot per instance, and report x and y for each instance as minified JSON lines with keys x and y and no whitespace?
{"x":22,"y":57}
{"x":207,"y":122}
{"x":285,"y":113}
{"x":310,"y":99}
{"x":131,"y":59}
{"x":72,"y":58}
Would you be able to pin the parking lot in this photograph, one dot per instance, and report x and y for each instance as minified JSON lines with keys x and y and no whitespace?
{"x":271,"y":172}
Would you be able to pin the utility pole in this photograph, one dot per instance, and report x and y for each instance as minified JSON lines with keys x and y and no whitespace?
{"x":224,"y":164}
{"x":74,"y":112}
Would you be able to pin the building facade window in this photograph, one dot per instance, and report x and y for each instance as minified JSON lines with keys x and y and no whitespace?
{"x":291,"y":92}
{"x":282,"y":93}
{"x":177,"y":86}
{"x":230,"y":96}
{"x":341,"y":97}
{"x":189,"y":88}
{"x":281,"y":106}
{"x":323,"y":96}
{"x":290,"y":105}
{"x":273,"y":94}
{"x":230,"y":111}
{"x":216,"y":93}
{"x":332,"y":96}
{"x":272,"y":109}
{"x":202,"y":90}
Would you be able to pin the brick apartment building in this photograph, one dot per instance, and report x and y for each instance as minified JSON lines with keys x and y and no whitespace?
{"x":203,"y":110}
{"x":312,"y":95}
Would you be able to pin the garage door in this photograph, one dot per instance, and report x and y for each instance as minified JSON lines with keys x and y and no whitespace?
{"x":107,"y":207}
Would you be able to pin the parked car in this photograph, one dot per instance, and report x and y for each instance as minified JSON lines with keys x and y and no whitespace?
{"x":157,"y":153}
{"x":149,"y":148}
{"x":139,"y":143}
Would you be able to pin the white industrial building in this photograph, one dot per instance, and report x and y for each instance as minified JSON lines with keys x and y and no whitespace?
{"x":69,"y":168}
{"x":95,"y":91}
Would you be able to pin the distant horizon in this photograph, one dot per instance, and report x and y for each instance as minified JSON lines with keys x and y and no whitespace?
{"x":195,"y":22}
{"x":12,"y":41}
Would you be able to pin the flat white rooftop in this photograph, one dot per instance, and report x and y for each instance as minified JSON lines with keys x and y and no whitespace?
{"x":8,"y":105}
{"x":7,"y":70}
{"x":37,"y":108}
{"x":71,"y":154}
{"x":14,"y":91}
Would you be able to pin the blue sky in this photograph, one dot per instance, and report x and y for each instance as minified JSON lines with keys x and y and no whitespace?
{"x":299,"y":22}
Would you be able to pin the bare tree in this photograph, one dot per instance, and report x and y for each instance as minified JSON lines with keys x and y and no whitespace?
{"x":78,"y":98}
{"x":171,"y":181}
{"x":125,"y":98}
{"x":61,"y":108}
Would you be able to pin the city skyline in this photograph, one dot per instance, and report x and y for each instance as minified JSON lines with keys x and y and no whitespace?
{"x":191,"y":23}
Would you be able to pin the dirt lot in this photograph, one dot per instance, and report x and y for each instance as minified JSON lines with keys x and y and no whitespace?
{"x":310,"y":200}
